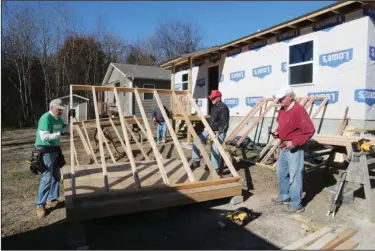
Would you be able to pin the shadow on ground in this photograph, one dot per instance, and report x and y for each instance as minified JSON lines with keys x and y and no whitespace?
{"x":194,"y":226}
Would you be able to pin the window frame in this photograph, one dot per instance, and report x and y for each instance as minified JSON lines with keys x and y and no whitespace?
{"x":153,"y":87}
{"x":184,"y":82}
{"x":313,"y":61}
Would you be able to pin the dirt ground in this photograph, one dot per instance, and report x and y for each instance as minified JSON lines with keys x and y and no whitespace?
{"x":196,"y":226}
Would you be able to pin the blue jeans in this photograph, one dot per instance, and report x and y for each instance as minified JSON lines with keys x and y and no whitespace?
{"x":215,"y":155}
{"x":161,"y":131}
{"x":290,"y":171}
{"x":50,"y":180}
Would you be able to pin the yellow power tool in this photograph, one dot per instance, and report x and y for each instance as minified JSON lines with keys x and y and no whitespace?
{"x":241,"y":215}
{"x":363,"y":146}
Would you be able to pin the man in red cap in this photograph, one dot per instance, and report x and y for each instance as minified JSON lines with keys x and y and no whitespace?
{"x":219,"y":123}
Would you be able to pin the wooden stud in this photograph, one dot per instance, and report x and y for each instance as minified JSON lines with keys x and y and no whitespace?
{"x":141,"y":127}
{"x":213,"y":137}
{"x":101,"y":149}
{"x":127,"y":141}
{"x":341,"y":237}
{"x":118,"y":135}
{"x":174,"y":137}
{"x":151,"y":138}
{"x":254,"y":124}
{"x":320,"y":243}
{"x":198,"y":141}
{"x":245,"y":120}
{"x":82,"y":138}
{"x":137,"y":142}
{"x":89,"y":143}
{"x":347,"y":245}
{"x":101,"y":134}
{"x":72,"y":167}
{"x":299,"y":244}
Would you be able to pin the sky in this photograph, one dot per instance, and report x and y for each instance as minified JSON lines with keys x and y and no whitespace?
{"x":219,"y":22}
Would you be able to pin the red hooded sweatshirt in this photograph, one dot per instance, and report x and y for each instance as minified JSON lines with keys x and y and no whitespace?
{"x":295,"y":125}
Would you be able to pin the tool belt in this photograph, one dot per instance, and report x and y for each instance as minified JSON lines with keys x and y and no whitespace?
{"x":37,"y":163}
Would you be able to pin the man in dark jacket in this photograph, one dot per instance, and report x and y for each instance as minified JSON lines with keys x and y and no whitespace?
{"x":294,"y":129}
{"x":158,"y":119}
{"x":219,"y":123}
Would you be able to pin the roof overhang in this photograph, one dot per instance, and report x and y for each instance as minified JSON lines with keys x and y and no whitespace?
{"x":339,"y":8}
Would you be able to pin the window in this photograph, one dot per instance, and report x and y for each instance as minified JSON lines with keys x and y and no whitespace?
{"x":184,"y":82}
{"x":148,"y":96}
{"x":300,"y":64}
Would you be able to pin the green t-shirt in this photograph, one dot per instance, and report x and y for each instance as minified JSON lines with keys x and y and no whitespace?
{"x":51,"y":124}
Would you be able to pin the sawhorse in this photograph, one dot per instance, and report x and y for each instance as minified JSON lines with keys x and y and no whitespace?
{"x":358,"y":172}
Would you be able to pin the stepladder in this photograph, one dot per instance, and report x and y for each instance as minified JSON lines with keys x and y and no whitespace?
{"x":358,"y":172}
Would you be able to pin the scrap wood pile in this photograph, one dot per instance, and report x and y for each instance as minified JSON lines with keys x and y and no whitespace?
{"x":327,"y":238}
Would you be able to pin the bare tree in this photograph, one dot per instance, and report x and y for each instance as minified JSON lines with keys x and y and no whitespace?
{"x":173,"y":39}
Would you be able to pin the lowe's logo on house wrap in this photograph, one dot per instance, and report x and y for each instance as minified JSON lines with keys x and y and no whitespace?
{"x":199,"y":103}
{"x":328,"y":24}
{"x":284,"y":67}
{"x":252,"y":101}
{"x":333,"y":96}
{"x":365,"y":96}
{"x":334,"y":59}
{"x":231,"y":102}
{"x":262,"y":72}
{"x":371,"y":53}
{"x":288,"y":36}
{"x":201,"y":82}
{"x":369,"y":12}
{"x":237,"y":76}
{"x":257,"y":45}
{"x":234,"y":52}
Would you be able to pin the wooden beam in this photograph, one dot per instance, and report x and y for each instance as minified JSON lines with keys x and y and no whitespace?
{"x":118,"y":135}
{"x":127,"y":141}
{"x":137,"y":142}
{"x":151,"y":139}
{"x":123,"y":89}
{"x":101,"y":134}
{"x":341,"y":237}
{"x":190,"y":89}
{"x":213,"y":137}
{"x":82,"y":138}
{"x":140,"y":126}
{"x":89,"y":143}
{"x":301,"y":243}
{"x":103,"y":163}
{"x":198,"y":141}
{"x":72,"y":167}
{"x":174,"y":137}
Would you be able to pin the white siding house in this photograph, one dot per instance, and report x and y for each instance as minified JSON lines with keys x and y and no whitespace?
{"x":334,"y":57}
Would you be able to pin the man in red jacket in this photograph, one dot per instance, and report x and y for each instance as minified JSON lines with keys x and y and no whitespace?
{"x":295,"y":128}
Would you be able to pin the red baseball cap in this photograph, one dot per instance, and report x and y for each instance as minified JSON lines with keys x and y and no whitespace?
{"x":215,"y":94}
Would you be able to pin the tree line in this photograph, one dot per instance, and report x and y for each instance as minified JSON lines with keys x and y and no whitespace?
{"x":45,"y":49}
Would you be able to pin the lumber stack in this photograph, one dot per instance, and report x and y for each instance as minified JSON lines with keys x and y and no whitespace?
{"x":327,"y":238}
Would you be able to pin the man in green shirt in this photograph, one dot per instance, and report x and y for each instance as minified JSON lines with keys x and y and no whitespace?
{"x":50,"y":126}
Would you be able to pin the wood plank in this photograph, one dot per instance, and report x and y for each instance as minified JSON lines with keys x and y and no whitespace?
{"x":137,"y":142}
{"x":72,"y":165}
{"x":92,"y":209}
{"x":341,"y":237}
{"x":101,"y":149}
{"x":89,"y":143}
{"x":118,"y":135}
{"x":224,"y":154}
{"x":320,"y":243}
{"x":309,"y":239}
{"x":347,"y":245}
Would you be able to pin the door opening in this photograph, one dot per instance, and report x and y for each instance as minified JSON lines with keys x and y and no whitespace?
{"x":213,"y":83}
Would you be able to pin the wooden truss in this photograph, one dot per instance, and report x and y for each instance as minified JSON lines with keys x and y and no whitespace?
{"x":133,"y":184}
{"x":272,"y":146}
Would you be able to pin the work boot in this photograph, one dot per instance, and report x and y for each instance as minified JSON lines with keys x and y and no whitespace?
{"x":277,"y":201}
{"x":291,"y":210}
{"x":40,"y":212}
{"x":195,"y":164}
{"x":55,"y":204}
{"x":163,"y":141}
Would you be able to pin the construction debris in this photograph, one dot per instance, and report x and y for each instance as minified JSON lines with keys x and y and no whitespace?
{"x":327,"y":238}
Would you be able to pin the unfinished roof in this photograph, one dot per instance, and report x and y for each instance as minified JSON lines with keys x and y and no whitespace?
{"x":339,"y":8}
{"x":144,"y":72}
